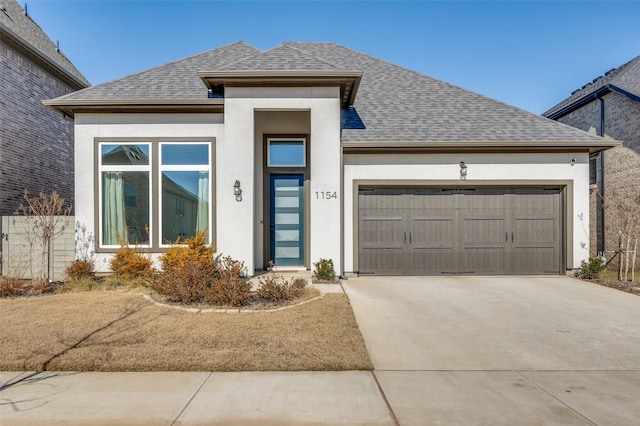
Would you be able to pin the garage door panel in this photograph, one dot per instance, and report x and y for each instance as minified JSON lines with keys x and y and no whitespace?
{"x":536,"y":260}
{"x":483,"y":260}
{"x":484,"y":232}
{"x":433,"y":261}
{"x":433,"y":232}
{"x":382,"y":261}
{"x":535,"y":230}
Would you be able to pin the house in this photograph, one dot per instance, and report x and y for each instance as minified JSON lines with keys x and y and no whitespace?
{"x":36,"y":143}
{"x":610,"y":107}
{"x":313,"y":150}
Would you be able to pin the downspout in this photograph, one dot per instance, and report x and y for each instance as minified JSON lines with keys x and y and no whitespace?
{"x":601,"y":183}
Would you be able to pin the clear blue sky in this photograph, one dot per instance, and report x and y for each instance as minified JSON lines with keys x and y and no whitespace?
{"x":531,"y":54}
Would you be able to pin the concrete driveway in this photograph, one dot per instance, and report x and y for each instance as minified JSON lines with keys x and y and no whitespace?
{"x":501,"y":350}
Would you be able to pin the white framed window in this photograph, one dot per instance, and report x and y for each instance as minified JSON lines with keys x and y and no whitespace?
{"x":125,"y":196}
{"x":185,"y":188}
{"x":152,"y":193}
{"x":286,"y":152}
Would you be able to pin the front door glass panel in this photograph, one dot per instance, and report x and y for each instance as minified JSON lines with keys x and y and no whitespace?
{"x":287,"y":219}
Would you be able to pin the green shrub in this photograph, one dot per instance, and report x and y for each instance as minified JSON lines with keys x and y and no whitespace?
{"x":80,"y":269}
{"x":276,"y":288}
{"x":590,"y":269}
{"x":131,"y":263}
{"x":324,"y":270}
{"x":229,"y":287}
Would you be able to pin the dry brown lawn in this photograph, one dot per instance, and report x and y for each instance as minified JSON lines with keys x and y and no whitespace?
{"x":116,"y":331}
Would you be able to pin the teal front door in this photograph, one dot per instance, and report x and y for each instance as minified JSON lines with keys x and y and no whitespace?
{"x":286,"y":195}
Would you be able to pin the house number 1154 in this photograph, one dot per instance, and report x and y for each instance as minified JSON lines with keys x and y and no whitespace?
{"x":326,"y":195}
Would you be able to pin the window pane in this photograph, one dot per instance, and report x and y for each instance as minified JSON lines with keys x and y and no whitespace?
{"x":185,"y":154}
{"x":125,"y":207}
{"x":123,"y":155}
{"x":286,"y":153}
{"x":185,"y":204}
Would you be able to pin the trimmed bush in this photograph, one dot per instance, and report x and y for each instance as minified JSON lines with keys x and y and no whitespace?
{"x":131,"y":263}
{"x":80,"y":269}
{"x":276,"y":288}
{"x":188,"y":270}
{"x":591,"y":269}
{"x":228,"y":287}
{"x":324,"y":270}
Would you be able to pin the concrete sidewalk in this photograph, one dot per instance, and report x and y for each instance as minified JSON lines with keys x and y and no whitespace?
{"x":274,"y":398}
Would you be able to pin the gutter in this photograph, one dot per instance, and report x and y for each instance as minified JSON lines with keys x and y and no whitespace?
{"x":483,"y":146}
{"x":596,"y":94}
{"x":602,"y":240}
{"x":71,"y":106}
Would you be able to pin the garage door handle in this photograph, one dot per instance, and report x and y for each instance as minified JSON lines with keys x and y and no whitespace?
{"x":506,"y":237}
{"x":409,"y":237}
{"x":512,"y":238}
{"x":405,"y":238}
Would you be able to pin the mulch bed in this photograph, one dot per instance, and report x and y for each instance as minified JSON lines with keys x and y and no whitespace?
{"x":632,"y":287}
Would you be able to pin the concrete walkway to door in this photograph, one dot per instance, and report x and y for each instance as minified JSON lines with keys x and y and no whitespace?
{"x":501,"y":350}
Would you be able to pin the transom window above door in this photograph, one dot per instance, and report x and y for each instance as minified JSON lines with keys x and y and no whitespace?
{"x":286,"y":152}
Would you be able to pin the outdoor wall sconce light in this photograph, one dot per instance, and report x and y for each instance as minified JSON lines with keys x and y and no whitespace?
{"x":237,"y":191}
{"x":463,"y":171}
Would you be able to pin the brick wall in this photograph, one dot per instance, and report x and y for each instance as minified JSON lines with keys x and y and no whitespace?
{"x":622,"y":164}
{"x":36,"y":143}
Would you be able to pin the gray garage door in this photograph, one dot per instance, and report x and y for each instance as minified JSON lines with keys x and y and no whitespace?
{"x":471,"y":231}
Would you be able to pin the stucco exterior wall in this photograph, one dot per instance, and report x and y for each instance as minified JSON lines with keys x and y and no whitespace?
{"x":240,"y":154}
{"x":36,"y":143}
{"x":272,"y":123}
{"x":138,"y":127}
{"x":483,"y":170}
{"x":622,"y":164}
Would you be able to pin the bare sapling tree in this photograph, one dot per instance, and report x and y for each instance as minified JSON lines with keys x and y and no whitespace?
{"x":623,"y":217}
{"x":46,"y":217}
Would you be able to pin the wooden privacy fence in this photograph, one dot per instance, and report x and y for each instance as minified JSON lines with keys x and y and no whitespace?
{"x":22,"y":255}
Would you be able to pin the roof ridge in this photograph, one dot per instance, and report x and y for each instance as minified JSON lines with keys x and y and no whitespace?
{"x":280,"y":46}
{"x":289,"y":43}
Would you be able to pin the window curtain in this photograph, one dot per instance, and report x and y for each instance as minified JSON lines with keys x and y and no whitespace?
{"x":202,"y":214}
{"x":113,"y":206}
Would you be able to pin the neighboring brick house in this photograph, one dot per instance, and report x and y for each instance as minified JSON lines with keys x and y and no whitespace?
{"x":610,"y":107}
{"x":36,"y":143}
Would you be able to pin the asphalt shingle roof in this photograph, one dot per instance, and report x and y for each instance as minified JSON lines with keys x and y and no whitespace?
{"x":393,"y":104}
{"x":175,"y":80}
{"x":281,"y":58}
{"x":20,"y":26}
{"x":625,"y":77}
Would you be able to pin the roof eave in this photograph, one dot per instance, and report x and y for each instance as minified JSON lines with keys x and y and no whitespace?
{"x":70,"y":107}
{"x":591,"y":147}
{"x":588,"y":98}
{"x":44,"y":60}
{"x":347,"y":80}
